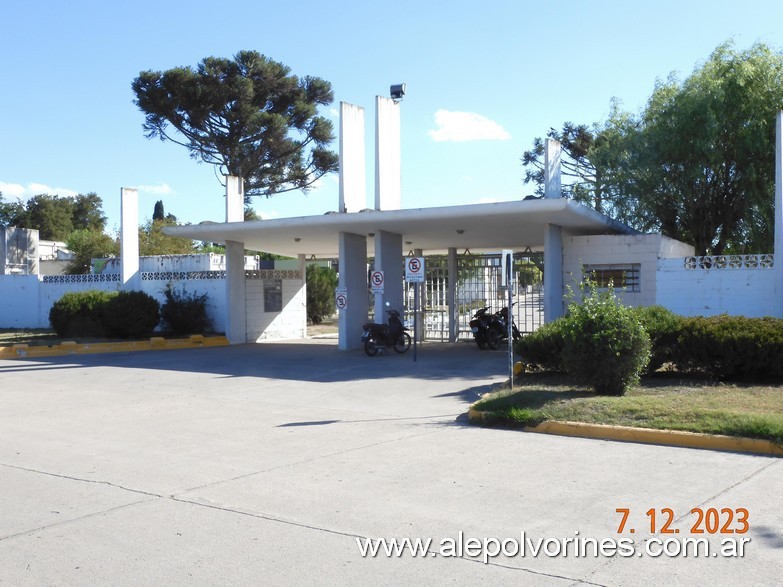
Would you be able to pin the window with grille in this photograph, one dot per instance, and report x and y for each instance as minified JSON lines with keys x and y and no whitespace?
{"x":622,"y":277}
{"x":273,"y":295}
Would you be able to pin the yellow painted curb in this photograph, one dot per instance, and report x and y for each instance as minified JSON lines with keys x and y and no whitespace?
{"x":641,"y":435}
{"x":24,"y":351}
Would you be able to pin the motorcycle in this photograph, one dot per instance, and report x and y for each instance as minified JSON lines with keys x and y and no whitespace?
{"x":377,"y":336}
{"x":482,"y":332}
{"x":502,"y":322}
{"x":490,"y":329}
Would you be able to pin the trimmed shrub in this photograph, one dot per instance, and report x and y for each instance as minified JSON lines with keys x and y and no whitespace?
{"x":664,"y":327}
{"x":184,"y":313}
{"x":79,"y":313}
{"x":731,"y":347}
{"x":544,"y":347}
{"x":606,"y":346}
{"x":321,"y":282}
{"x":130,"y":314}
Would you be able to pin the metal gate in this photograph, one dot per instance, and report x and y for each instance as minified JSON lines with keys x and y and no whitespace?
{"x":478,"y":286}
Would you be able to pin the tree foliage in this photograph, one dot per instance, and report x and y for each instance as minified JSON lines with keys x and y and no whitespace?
{"x":321,"y":282}
{"x":55,"y":217}
{"x":249,"y":115}
{"x":88,"y":244}
{"x":697,"y":163}
{"x":153,"y":241}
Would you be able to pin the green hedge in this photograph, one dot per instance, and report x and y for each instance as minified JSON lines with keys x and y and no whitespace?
{"x":184,"y":313}
{"x":731,"y":347}
{"x":664,"y":327}
{"x":131,"y":314}
{"x":97,"y":314}
{"x":79,"y":314}
{"x":719,"y":347}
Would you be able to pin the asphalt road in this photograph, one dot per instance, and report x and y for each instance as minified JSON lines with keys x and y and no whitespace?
{"x":272,"y":463}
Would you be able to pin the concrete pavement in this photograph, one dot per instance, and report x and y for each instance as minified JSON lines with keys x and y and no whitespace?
{"x":264,"y":464}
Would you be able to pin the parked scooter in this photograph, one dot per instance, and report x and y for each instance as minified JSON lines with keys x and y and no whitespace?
{"x":490,"y":329}
{"x":393,"y":334}
{"x":482,"y":332}
{"x":502,"y":320}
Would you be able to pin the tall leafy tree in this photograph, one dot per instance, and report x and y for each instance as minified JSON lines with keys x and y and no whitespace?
{"x":11,"y":213}
{"x":88,"y":212}
{"x":87,"y":244}
{"x":51,"y":215}
{"x":153,"y":241}
{"x":248,"y":115}
{"x":158,"y":213}
{"x":697,"y":163}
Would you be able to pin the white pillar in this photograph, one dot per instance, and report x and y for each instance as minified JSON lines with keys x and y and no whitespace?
{"x":388,"y":178}
{"x":552,"y":151}
{"x":553,"y":272}
{"x":388,"y":258}
{"x":129,"y":239}
{"x":236,"y":316}
{"x":353,"y":186}
{"x":353,"y":277}
{"x":453,"y":273}
{"x":779,"y":210}
{"x":303,"y":273}
{"x":236,"y":310}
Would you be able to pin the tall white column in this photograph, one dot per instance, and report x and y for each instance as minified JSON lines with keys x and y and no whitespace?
{"x":353,"y":186}
{"x":552,"y":169}
{"x":129,"y":239}
{"x":388,"y":188}
{"x":388,"y":258}
{"x":779,"y":210}
{"x":353,"y":278}
{"x":236,"y":310}
{"x":235,"y":199}
{"x":553,"y":272}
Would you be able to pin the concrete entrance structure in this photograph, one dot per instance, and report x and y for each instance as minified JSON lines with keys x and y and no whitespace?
{"x":354,"y":233}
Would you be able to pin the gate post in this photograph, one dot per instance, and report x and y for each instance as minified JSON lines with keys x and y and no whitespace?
{"x":453,"y":274}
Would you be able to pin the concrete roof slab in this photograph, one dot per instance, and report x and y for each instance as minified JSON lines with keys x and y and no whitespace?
{"x":478,"y":227}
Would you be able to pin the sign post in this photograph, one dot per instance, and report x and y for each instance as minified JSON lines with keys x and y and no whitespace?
{"x":414,"y":273}
{"x":508,"y":281}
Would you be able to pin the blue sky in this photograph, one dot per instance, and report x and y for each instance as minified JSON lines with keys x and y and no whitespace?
{"x":68,"y":123}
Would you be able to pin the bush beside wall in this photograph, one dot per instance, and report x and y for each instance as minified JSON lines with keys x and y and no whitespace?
{"x":97,"y":314}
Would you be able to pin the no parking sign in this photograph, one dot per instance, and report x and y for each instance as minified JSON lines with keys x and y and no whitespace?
{"x":341,"y":298}
{"x":376,"y":282}
{"x":414,"y":270}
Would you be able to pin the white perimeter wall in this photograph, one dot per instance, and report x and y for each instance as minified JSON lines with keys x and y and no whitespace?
{"x":708,"y":292}
{"x":25,"y":301}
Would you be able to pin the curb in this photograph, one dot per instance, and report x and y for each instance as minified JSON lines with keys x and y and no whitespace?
{"x":156,"y":343}
{"x":639,"y":435}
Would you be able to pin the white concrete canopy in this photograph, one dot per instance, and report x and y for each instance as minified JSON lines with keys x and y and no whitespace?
{"x":478,"y":227}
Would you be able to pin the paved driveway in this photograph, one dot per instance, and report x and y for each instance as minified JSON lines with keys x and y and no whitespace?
{"x":263,"y":464}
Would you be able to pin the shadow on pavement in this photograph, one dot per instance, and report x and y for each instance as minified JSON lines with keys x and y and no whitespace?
{"x":317,"y":361}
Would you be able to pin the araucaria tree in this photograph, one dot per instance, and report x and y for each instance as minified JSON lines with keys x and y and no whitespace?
{"x":697,"y":163}
{"x":249,"y":115}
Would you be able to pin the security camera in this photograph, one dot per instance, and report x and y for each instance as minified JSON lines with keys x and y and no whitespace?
{"x":397,"y":91}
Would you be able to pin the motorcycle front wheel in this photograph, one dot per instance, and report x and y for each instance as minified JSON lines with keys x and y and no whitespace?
{"x":493,"y":339}
{"x":403,"y":343}
{"x":370,"y":347}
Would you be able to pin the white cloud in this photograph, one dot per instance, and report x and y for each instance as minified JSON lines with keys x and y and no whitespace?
{"x":466,"y":126}
{"x":24,"y":193}
{"x":162,"y":189}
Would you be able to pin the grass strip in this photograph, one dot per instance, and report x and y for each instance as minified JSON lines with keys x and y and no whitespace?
{"x":749,"y":411}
